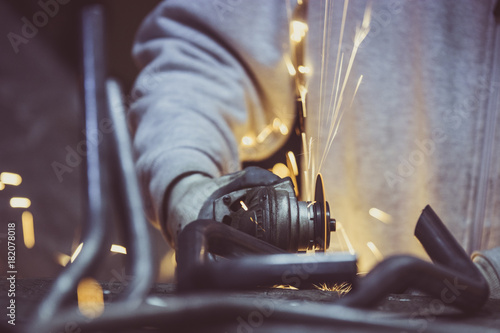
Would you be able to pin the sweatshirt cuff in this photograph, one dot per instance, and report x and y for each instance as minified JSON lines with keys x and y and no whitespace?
{"x":181,"y":162}
{"x":488,"y":263}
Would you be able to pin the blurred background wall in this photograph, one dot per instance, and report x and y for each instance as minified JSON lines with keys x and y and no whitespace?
{"x":41,"y":127}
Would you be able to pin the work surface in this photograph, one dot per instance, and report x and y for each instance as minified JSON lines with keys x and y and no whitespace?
{"x":266,"y":310}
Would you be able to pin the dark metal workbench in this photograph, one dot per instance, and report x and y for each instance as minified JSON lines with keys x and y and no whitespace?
{"x":421,"y":313}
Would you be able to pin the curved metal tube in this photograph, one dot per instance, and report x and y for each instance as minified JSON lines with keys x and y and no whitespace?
{"x":137,"y":233}
{"x":222,"y":312}
{"x":441,"y":246}
{"x":95,"y":239}
{"x":202,"y":237}
{"x":453,"y":278}
{"x":98,"y":175}
{"x":196,"y":271}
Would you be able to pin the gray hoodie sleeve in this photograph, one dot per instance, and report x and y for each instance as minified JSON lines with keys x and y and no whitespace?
{"x":213,"y":73}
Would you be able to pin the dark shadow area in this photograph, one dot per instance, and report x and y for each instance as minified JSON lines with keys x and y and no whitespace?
{"x":41,"y":132}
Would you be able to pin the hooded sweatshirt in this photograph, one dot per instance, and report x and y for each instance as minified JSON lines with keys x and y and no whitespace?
{"x":416,"y":104}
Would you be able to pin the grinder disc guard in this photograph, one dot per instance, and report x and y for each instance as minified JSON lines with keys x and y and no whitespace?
{"x":322,"y":223}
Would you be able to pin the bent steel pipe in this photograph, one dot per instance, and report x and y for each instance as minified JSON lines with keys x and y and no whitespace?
{"x":248,"y":267}
{"x":453,"y":278}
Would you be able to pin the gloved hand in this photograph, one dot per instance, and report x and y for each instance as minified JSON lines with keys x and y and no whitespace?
{"x":488,"y":263}
{"x":189,"y":194}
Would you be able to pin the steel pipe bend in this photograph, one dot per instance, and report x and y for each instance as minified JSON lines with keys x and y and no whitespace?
{"x":196,"y":270}
{"x":398,"y":273}
{"x":453,"y":278}
{"x":202,"y":237}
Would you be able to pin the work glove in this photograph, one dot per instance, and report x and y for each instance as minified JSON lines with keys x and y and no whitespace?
{"x":488,"y":263}
{"x":192,"y":192}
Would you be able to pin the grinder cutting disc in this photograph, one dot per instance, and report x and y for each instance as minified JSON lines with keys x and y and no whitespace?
{"x":322,"y":217}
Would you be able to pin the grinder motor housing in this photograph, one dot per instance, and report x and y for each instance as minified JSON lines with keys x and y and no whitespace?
{"x":273,"y":214}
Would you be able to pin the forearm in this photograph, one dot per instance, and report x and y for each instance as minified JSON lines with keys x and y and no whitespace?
{"x":202,"y":88}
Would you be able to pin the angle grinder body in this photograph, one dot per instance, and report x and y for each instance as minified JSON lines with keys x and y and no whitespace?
{"x":273,"y":213}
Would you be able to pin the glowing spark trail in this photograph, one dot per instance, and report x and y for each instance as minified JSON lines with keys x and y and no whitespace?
{"x":118,"y":249}
{"x":356,"y":90}
{"x":315,"y":148}
{"x":325,"y":51}
{"x":376,"y":252}
{"x":18,"y":202}
{"x":380,"y":215}
{"x":10,"y":178}
{"x":341,"y":289}
{"x":347,"y":241}
{"x":28,"y":229}
{"x":337,"y":93}
{"x":361,"y":33}
{"x":258,"y":225}
{"x":77,"y":252}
